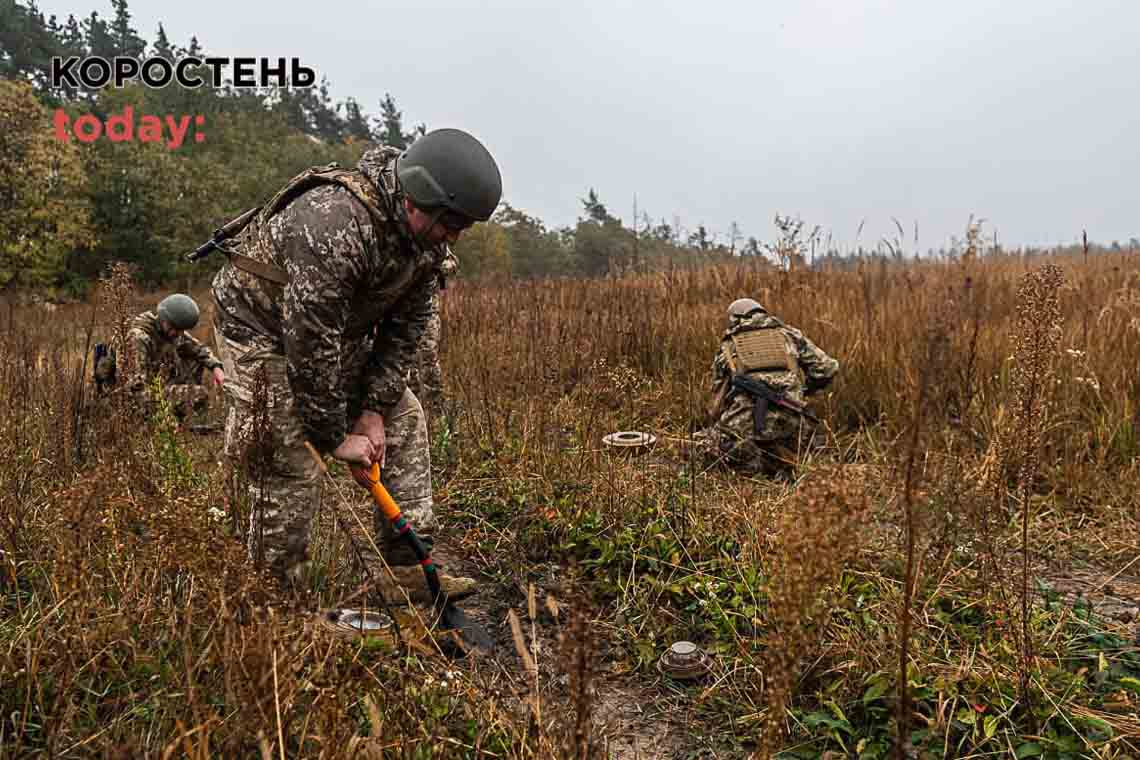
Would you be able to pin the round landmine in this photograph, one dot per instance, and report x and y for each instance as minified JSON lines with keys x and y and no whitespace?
{"x":356,"y":622}
{"x":683,"y":661}
{"x":629,"y":440}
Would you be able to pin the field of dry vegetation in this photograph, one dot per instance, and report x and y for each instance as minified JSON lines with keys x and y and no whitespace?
{"x":971,"y":519}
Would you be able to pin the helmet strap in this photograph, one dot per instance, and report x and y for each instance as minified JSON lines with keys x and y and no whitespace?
{"x":433,"y":219}
{"x":401,"y":197}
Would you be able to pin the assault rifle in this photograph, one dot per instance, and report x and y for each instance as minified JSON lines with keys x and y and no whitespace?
{"x":764,"y":395}
{"x":240,"y":261}
{"x":222,"y":234}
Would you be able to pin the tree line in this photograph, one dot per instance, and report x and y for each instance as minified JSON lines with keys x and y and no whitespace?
{"x":67,"y":208}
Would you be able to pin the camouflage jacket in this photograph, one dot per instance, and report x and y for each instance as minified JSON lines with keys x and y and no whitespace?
{"x":178,"y":362}
{"x":810,"y":369}
{"x":356,"y":279}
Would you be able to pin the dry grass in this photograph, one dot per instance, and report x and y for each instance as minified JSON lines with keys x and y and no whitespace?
{"x":134,"y":624}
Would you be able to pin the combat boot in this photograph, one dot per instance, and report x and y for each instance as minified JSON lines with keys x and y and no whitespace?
{"x":401,"y":584}
{"x":403,"y":579}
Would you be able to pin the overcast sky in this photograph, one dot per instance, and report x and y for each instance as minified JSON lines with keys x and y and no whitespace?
{"x":1025,"y":112}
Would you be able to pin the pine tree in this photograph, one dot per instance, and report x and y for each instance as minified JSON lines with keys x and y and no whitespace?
{"x":72,"y":38}
{"x":700,"y":239}
{"x":56,"y":33}
{"x":12,"y":20}
{"x":127,"y":41}
{"x":162,"y":46}
{"x":595,"y":209}
{"x":391,"y":124}
{"x":290,"y":104}
{"x":26,"y":45}
{"x":326,"y":119}
{"x":98,"y":42}
{"x":70,"y":43}
{"x":355,"y":122}
{"x":97,"y":36}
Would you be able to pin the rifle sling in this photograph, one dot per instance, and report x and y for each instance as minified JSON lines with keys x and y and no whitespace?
{"x":257,"y":268}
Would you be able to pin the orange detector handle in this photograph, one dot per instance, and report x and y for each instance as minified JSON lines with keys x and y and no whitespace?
{"x":370,"y":479}
{"x":380,"y":493}
{"x":388,"y":506}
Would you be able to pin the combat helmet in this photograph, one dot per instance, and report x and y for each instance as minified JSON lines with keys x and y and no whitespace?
{"x":449,"y":173}
{"x":179,"y":310}
{"x":742,"y":308}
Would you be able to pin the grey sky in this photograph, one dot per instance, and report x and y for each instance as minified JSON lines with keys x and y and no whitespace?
{"x":1025,"y":112}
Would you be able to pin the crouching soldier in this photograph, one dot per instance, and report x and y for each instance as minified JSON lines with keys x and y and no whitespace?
{"x":161,"y":347}
{"x":762,"y":373}
{"x":326,"y":297}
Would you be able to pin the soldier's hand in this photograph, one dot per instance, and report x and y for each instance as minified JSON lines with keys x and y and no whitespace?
{"x":355,"y":449}
{"x":219,"y":376}
{"x":371,"y":425}
{"x":362,"y":476}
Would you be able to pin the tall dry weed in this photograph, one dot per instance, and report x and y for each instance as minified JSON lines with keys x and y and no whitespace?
{"x":116,"y":300}
{"x":1036,"y":346}
{"x":932,"y":392}
{"x":815,"y":538}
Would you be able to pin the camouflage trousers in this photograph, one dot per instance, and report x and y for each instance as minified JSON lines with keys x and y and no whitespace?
{"x":265,"y":444}
{"x":733,"y":440}
{"x":425,"y":377}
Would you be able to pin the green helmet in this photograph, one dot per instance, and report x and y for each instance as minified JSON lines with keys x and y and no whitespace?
{"x":742,"y":308}
{"x":448,"y":170}
{"x":179,"y":310}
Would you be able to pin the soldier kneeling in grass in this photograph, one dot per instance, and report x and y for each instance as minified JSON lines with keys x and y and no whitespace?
{"x":163,"y":348}
{"x":763,"y":371}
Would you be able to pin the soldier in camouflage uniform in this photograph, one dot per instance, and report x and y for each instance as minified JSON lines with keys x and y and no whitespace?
{"x":425,"y":377}
{"x":761,"y":376}
{"x":326,"y":296}
{"x":161,"y":347}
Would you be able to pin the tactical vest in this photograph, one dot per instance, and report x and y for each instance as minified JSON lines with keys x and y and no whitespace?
{"x":760,"y":349}
{"x":749,"y":353}
{"x":378,"y":204}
